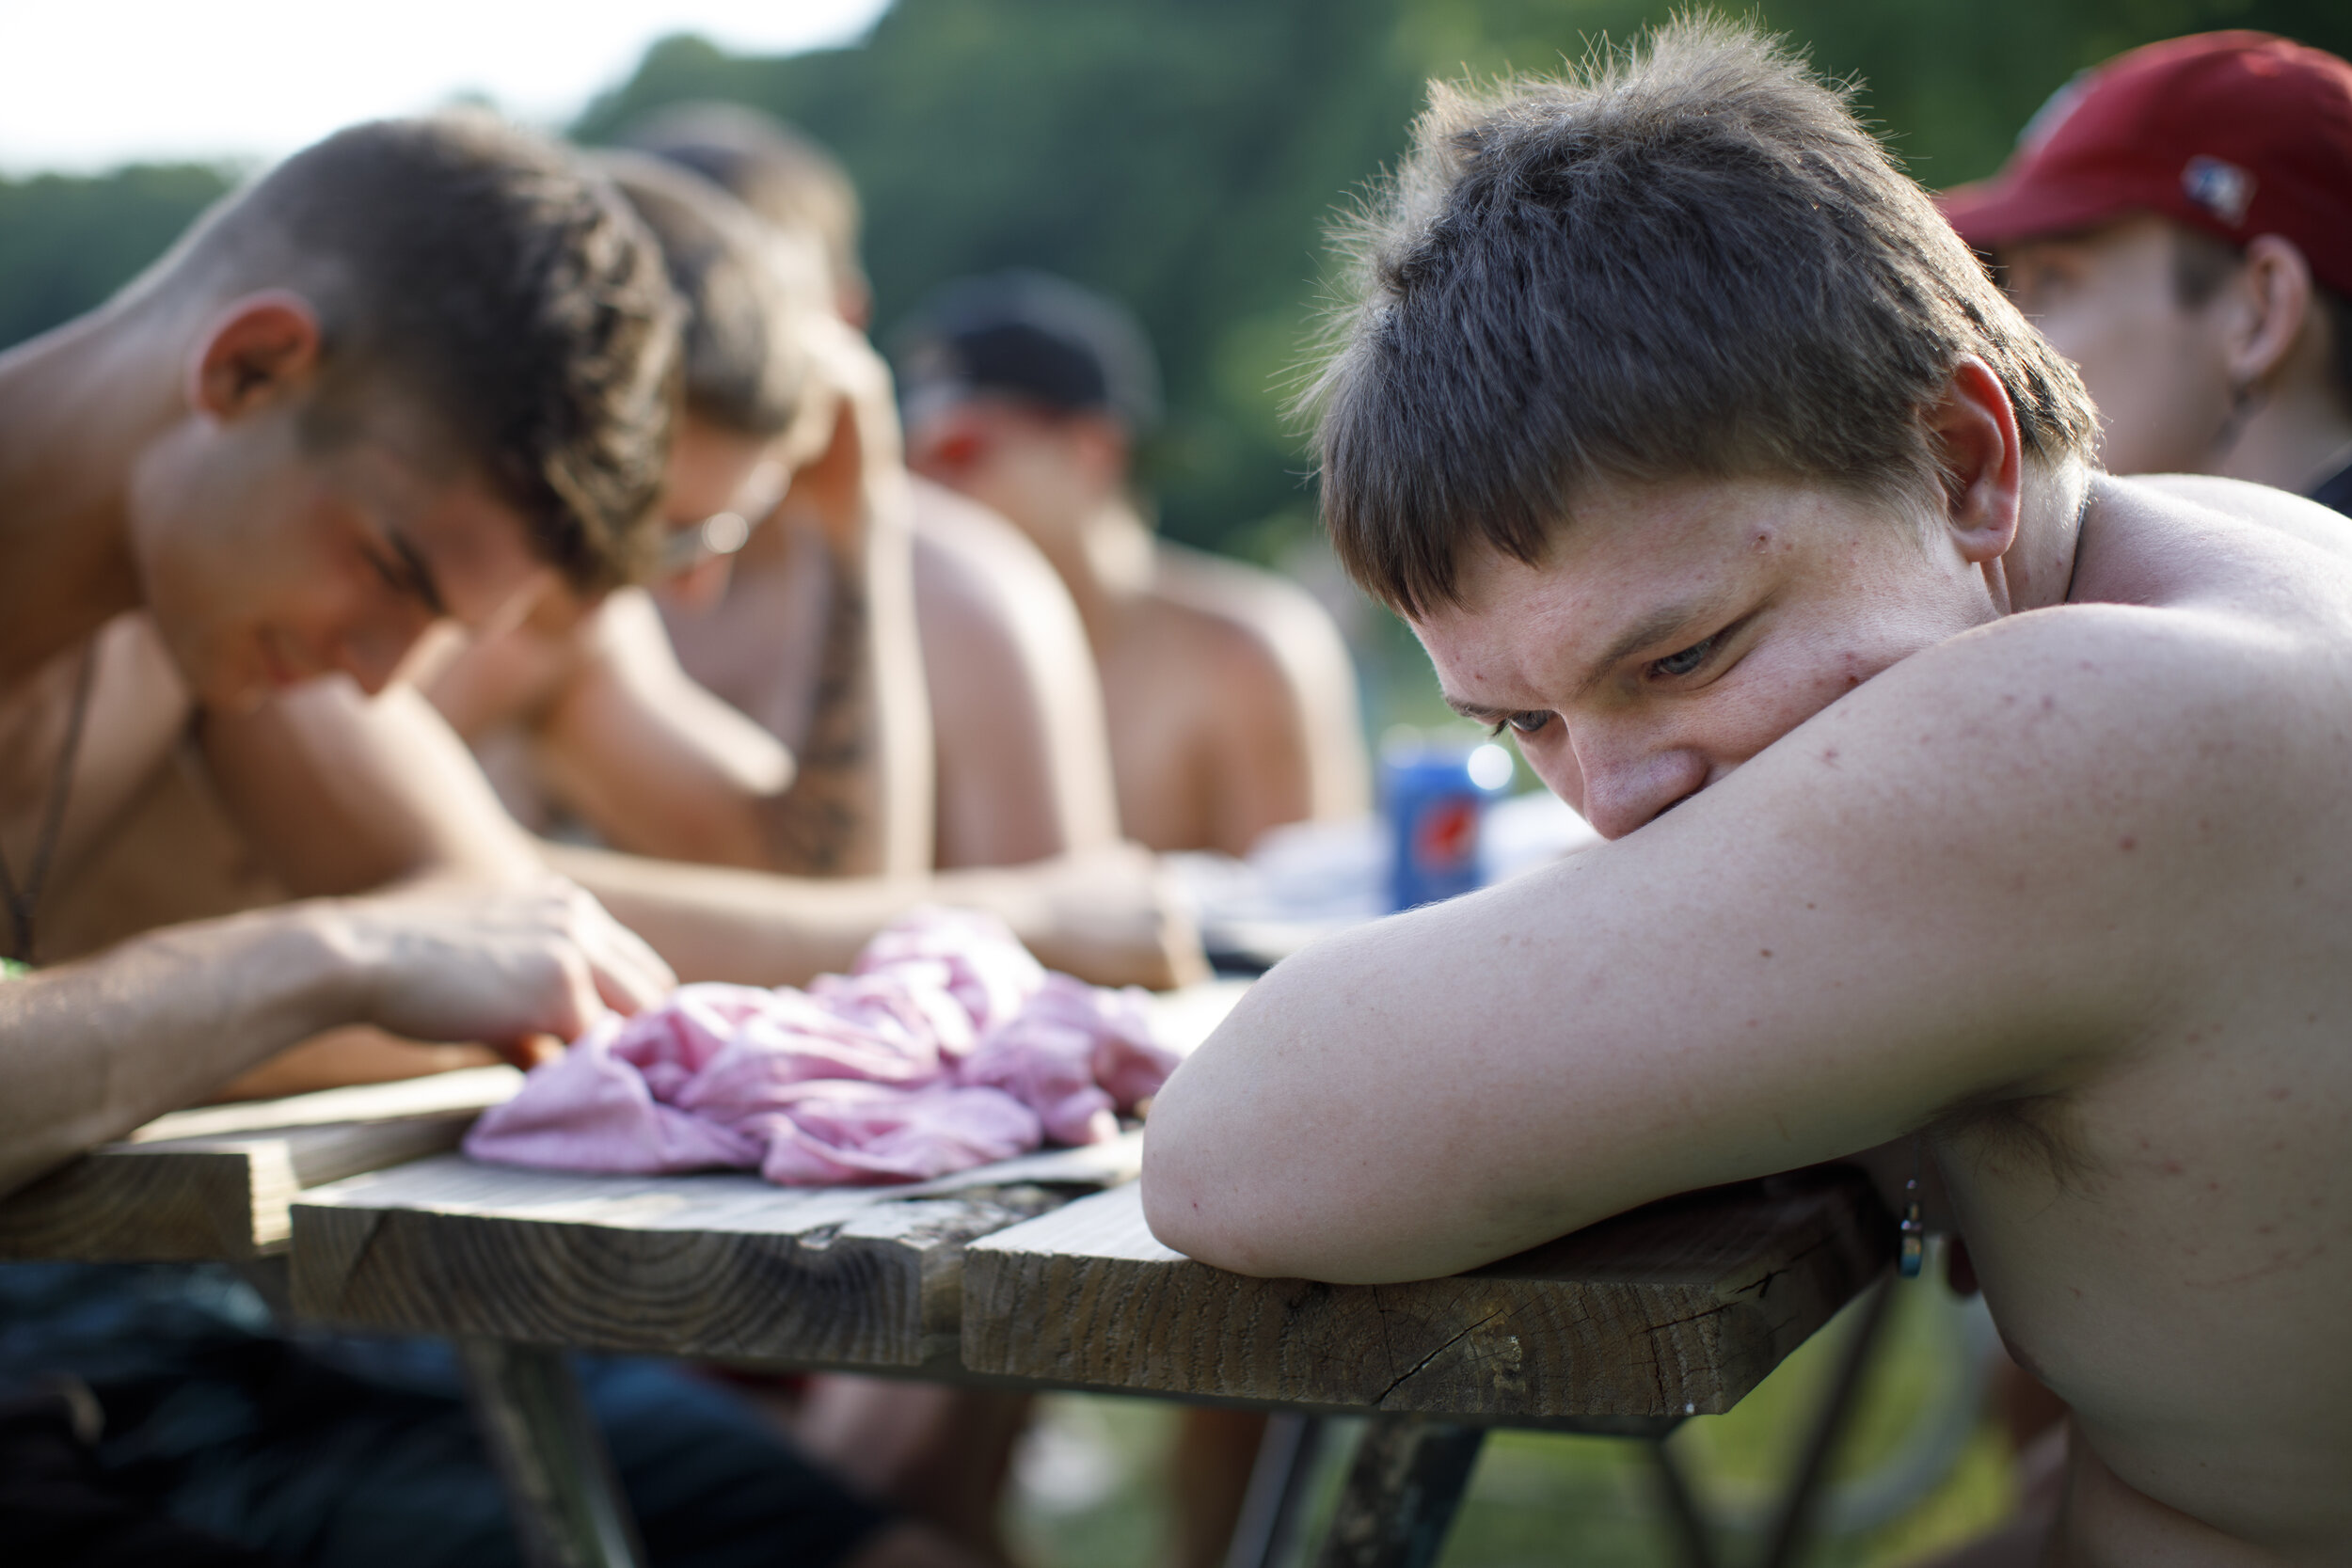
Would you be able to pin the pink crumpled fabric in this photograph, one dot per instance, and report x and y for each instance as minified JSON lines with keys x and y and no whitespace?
{"x":945,"y":1046}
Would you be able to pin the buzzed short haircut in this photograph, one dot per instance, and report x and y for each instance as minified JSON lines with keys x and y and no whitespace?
{"x":488,"y":276}
{"x":1686,"y":260}
{"x":746,"y":370}
{"x":774,"y":170}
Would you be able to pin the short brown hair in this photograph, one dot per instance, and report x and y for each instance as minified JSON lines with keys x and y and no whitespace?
{"x":485,"y":272}
{"x":1688,"y":259}
{"x":746,"y":370}
{"x":768,"y":165}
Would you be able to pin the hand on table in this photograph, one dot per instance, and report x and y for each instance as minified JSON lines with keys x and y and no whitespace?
{"x":515,"y":969}
{"x":1110,"y":916}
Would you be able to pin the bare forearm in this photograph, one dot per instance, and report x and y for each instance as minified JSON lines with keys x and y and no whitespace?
{"x":1103,"y":917}
{"x":859,"y":803}
{"x":90,"y":1050}
{"x":753,"y":927}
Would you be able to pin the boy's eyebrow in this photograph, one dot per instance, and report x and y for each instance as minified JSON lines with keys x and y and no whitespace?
{"x":421,"y":581}
{"x":1652,"y":629}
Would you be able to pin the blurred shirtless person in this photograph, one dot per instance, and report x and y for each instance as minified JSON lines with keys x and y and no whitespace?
{"x":1024,"y":769}
{"x":1232,"y":700}
{"x":785,"y":412}
{"x":411,"y":374}
{"x":2179,"y":224}
{"x":581,"y":708}
{"x":1954,"y":790}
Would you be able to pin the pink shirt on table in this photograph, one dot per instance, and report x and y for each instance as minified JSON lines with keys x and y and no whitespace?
{"x":946,"y":1046}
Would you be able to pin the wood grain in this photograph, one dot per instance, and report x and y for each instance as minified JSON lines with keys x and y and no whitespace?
{"x":723,"y":1265}
{"x":1674,"y":1310}
{"x":214,"y":1183}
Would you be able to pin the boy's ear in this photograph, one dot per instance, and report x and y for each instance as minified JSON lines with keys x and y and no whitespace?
{"x":1983,"y":457}
{"x":255,"y":351}
{"x":2276,"y":291}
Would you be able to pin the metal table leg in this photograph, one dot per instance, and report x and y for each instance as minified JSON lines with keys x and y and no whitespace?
{"x":1837,"y":1412}
{"x":1268,"y":1525}
{"x":1401,"y":1495}
{"x":551,"y":1462}
{"x":1693,"y":1537}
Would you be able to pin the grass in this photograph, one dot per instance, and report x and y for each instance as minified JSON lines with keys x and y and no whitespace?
{"x":1092,"y":1489}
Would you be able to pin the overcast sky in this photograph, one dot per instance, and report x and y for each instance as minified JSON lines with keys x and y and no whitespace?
{"x":89,"y":84}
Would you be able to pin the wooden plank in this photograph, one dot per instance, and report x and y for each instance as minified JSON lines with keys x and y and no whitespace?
{"x":720,"y":1265}
{"x":214,"y":1182}
{"x":1675,"y":1309}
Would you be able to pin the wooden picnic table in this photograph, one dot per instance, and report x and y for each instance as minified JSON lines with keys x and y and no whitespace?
{"x":1037,"y":1273}
{"x":1040,"y":1273}
{"x":214,"y":1183}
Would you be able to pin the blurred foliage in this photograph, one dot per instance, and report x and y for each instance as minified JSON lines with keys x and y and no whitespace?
{"x":1187,"y":156}
{"x":68,"y":241}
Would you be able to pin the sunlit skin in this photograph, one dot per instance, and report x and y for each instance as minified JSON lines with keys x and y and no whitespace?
{"x":266,"y":558}
{"x":1230,"y":697}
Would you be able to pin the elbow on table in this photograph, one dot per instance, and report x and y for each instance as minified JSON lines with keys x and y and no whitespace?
{"x":1192,"y":1198}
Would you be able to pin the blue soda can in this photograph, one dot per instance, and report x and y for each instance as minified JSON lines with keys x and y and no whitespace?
{"x":1436,"y":801}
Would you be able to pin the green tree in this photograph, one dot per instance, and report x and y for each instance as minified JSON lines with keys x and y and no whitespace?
{"x":66,"y":241}
{"x":1187,"y":155}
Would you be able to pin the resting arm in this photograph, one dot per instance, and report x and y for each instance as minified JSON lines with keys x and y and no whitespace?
{"x":90,"y":1050}
{"x":1024,"y":767}
{"x":861,"y":804}
{"x":656,"y":764}
{"x":1104,"y":916}
{"x":1908,"y":902}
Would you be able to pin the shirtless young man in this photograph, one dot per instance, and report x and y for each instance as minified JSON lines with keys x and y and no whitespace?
{"x":409,"y":374}
{"x":1016,"y":713}
{"x":319,"y":425}
{"x":611,"y":728}
{"x":1954,"y":790}
{"x":1232,"y":700}
{"x":2179,"y":224}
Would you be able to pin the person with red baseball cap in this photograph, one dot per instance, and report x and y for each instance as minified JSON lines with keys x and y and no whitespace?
{"x":2178,"y":222}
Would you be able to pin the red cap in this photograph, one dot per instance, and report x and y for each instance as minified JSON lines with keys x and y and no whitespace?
{"x":2238,"y":133}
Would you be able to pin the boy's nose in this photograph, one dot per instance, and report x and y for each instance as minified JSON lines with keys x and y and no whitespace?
{"x":1622,"y":791}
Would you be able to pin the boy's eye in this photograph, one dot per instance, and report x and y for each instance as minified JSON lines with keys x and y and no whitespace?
{"x":1687,"y":660}
{"x":1525,"y":723}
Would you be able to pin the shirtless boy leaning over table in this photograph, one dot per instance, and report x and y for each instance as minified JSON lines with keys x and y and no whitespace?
{"x":1954,"y":790}
{"x":402,"y":377}
{"x":317,"y":426}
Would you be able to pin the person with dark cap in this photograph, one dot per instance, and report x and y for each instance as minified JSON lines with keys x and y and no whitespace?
{"x":1232,"y":701}
{"x":2178,"y":222}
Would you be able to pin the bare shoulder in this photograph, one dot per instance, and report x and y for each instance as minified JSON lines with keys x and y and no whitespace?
{"x":2296,"y":517}
{"x":968,"y":550}
{"x":1253,"y":624}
